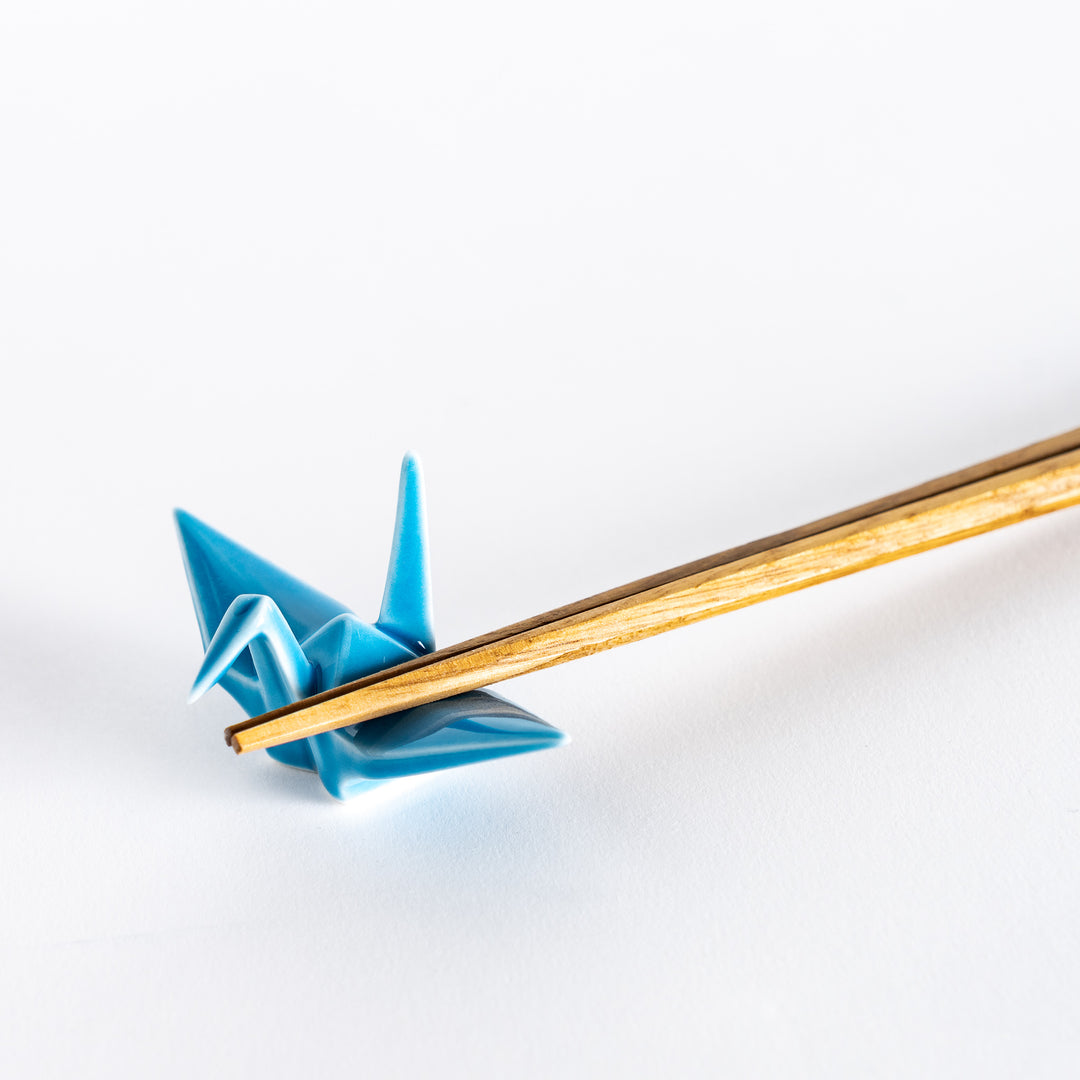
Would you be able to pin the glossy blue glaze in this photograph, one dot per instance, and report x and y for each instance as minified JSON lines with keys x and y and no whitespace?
{"x":271,"y":640}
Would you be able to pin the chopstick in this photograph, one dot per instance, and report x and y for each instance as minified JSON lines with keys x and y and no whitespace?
{"x":1034,"y":480}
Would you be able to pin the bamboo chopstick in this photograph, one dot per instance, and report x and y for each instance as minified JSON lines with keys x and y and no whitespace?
{"x":1035,"y":480}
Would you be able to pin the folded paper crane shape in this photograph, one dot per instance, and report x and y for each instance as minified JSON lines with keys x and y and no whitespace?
{"x":271,"y":640}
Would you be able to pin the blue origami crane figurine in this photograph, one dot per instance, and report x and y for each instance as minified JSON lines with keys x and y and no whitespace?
{"x":271,"y":640}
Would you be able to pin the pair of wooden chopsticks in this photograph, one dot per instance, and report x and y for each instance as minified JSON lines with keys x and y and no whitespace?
{"x":1026,"y":483}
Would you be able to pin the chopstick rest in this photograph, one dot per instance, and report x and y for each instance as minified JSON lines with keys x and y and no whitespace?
{"x":272,"y":640}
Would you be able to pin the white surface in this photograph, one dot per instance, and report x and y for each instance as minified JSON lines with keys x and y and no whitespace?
{"x":638,"y":282}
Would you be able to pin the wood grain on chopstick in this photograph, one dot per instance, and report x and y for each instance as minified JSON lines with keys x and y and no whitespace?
{"x":1025,"y":483}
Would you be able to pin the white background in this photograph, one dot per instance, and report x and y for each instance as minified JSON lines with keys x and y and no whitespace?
{"x":638,"y":282}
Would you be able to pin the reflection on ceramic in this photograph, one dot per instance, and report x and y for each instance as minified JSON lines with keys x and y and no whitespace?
{"x":271,"y":640}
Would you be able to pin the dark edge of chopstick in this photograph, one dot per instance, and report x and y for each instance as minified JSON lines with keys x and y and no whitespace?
{"x":1028,"y":455}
